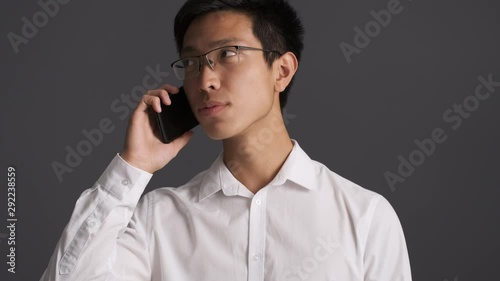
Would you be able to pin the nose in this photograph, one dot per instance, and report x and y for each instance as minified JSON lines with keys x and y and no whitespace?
{"x":208,"y":78}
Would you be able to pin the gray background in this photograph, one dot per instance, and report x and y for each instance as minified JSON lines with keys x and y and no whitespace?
{"x":354,"y":117}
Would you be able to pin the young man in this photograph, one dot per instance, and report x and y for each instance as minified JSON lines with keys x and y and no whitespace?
{"x":256,"y":214}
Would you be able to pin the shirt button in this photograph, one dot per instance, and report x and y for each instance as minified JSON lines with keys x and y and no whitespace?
{"x":91,"y":223}
{"x":125,"y":182}
{"x":256,"y":257}
{"x":258,"y":201}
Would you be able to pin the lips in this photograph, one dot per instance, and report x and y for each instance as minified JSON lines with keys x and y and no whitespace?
{"x":210,"y":108}
{"x":210,"y":104}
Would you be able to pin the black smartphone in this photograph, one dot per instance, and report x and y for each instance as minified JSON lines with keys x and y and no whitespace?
{"x":177,"y":118}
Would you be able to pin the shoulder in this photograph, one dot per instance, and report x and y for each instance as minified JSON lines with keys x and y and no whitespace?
{"x":185,"y":193}
{"x":347,"y":194}
{"x":369,"y":208}
{"x":328,"y":179}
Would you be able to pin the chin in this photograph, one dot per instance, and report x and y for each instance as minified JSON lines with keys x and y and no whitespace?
{"x":218,"y":132}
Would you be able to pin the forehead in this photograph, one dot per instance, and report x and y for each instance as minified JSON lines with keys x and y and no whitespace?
{"x":217,"y":29}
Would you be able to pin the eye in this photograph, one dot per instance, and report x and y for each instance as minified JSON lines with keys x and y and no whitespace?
{"x":188,"y":62}
{"x":227,"y":53}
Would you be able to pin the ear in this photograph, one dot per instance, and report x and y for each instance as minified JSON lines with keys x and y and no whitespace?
{"x":285,"y":68}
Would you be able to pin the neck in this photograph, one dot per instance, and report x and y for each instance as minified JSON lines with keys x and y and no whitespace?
{"x":255,"y":157}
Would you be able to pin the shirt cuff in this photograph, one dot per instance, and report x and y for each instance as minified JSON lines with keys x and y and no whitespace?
{"x":124,"y":181}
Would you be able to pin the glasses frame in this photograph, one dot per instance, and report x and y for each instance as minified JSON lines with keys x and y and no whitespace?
{"x":205,"y":55}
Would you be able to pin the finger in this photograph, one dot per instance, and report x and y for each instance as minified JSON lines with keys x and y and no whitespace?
{"x":162,"y":94}
{"x":150,"y":101}
{"x":154,"y":124}
{"x":154,"y":97}
{"x":165,"y":97}
{"x":170,"y":88}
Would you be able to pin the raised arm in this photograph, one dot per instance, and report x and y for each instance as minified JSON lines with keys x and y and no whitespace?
{"x":106,"y":237}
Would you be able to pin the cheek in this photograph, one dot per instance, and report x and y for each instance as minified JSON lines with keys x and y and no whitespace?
{"x":252,"y":97}
{"x":252,"y":87}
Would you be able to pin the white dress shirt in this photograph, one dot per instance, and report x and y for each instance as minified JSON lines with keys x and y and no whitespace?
{"x":308,"y":223}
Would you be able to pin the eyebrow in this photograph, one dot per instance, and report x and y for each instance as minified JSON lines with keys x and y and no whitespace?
{"x":215,"y":44}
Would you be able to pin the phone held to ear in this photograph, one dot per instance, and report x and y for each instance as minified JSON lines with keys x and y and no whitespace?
{"x":177,"y":118}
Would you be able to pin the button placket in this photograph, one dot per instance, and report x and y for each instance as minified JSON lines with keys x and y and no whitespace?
{"x":257,"y":236}
{"x":91,"y":222}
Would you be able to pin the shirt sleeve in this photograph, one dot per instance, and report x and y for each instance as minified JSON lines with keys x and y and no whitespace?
{"x":106,"y":235}
{"x":386,"y":256}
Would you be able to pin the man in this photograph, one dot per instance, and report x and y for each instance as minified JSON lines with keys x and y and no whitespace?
{"x":256,"y":214}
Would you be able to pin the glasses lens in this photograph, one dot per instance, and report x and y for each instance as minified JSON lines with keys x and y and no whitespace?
{"x":227,"y":56}
{"x":186,"y":68}
{"x":179,"y":70}
{"x":190,"y":67}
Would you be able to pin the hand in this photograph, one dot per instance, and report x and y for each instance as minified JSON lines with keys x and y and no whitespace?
{"x":143,"y":148}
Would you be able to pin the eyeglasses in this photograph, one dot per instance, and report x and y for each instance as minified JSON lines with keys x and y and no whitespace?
{"x":225,"y":57}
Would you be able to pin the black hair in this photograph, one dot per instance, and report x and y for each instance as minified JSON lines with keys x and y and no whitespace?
{"x":275,"y":23}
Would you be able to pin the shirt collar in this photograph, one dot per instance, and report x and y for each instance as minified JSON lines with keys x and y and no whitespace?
{"x":298,"y":168}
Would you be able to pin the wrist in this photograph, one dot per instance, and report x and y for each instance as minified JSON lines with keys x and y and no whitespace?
{"x":135,"y":163}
